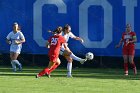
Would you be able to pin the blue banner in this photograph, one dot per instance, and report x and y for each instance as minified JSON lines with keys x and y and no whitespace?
{"x":99,"y":22}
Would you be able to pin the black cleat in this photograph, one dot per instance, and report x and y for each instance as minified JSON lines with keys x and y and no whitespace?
{"x":37,"y":76}
{"x":48,"y":75}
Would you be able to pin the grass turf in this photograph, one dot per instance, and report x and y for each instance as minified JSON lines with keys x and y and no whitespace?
{"x":84,"y":80}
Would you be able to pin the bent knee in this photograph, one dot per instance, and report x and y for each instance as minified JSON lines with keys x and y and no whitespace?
{"x":67,"y":53}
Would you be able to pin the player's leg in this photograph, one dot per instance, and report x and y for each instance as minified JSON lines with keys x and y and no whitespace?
{"x":74,"y":57}
{"x":14,"y":60}
{"x":132,"y":63}
{"x":131,"y":59}
{"x":46,"y":70}
{"x":53,"y":64}
{"x":125,"y":58}
{"x":57,"y":63}
{"x":69,"y":66}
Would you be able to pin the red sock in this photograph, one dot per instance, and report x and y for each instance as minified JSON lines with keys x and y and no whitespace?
{"x":53,"y":68}
{"x":46,"y":70}
{"x":126,"y":68}
{"x":133,"y":65}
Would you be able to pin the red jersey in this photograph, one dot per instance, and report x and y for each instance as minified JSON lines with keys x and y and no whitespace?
{"x":55,"y":44}
{"x":128,"y":37}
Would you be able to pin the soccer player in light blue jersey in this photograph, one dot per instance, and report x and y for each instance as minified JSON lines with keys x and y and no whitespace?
{"x":15,"y":38}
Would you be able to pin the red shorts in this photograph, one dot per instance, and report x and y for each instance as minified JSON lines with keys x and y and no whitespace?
{"x":53,"y":58}
{"x":128,"y":50}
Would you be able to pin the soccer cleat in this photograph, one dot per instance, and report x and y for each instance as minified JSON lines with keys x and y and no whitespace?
{"x":69,"y":76}
{"x":48,"y":75}
{"x":83,"y":61}
{"x":126,"y":73}
{"x":37,"y":76}
{"x":14,"y":70}
{"x":20,"y":68}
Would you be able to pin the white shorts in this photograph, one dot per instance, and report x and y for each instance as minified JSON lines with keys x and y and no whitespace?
{"x":15,"y":48}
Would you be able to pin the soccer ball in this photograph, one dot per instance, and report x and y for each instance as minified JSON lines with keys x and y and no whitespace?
{"x":89,"y":56}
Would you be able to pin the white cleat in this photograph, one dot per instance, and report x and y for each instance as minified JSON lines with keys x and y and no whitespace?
{"x":126,"y":74}
{"x":69,"y":76}
{"x":83,"y":61}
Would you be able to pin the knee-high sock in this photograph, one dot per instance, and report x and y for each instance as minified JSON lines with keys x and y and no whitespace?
{"x":133,"y":65}
{"x":17,"y":62}
{"x":74,"y":57}
{"x":43,"y":72}
{"x":13,"y":65}
{"x":53,"y":68}
{"x":69,"y":68}
{"x":126,"y":68}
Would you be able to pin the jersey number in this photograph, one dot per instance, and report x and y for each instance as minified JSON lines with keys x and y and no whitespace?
{"x":54,"y":41}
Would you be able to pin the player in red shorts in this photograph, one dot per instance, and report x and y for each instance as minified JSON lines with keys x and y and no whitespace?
{"x":128,"y":38}
{"x":54,"y":43}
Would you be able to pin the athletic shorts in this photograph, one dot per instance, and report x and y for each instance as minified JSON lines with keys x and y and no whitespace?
{"x":128,"y":50}
{"x":15,"y":48}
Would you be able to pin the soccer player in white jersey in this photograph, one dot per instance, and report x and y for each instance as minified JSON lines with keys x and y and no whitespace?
{"x":67,"y":53}
{"x":15,"y":38}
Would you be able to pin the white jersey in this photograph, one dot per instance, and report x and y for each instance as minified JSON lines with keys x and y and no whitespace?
{"x":67,"y":36}
{"x":15,"y":36}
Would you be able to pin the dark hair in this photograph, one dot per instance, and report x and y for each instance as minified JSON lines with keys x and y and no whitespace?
{"x":58,"y":30}
{"x":66,"y":27}
{"x":19,"y":27}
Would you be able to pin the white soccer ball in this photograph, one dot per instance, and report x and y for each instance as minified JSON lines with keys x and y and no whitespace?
{"x":89,"y":56}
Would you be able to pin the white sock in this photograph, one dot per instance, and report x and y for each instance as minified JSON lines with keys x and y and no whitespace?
{"x":13,"y":65}
{"x":75,"y":57}
{"x":69,"y":68}
{"x":17,"y":62}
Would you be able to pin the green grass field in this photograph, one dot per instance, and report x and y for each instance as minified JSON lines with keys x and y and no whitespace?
{"x":84,"y":80}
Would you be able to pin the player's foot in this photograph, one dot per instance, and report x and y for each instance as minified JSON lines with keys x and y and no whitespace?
{"x":14,"y":70}
{"x":20,"y":68}
{"x":48,"y":75}
{"x":69,"y":76}
{"x":83,"y":61}
{"x":135,"y":71}
{"x":126,"y":73}
{"x":37,"y":76}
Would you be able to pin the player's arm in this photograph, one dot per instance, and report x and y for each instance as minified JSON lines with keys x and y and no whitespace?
{"x":120,"y":43}
{"x":8,"y":41}
{"x":47,"y":44}
{"x":22,"y":39}
{"x":134,"y":39}
{"x":78,"y":38}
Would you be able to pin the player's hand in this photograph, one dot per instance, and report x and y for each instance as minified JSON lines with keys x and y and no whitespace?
{"x":82,"y":41}
{"x":48,"y":46}
{"x":49,"y":31}
{"x":17,"y":42}
{"x":9,"y":42}
{"x":127,"y":43}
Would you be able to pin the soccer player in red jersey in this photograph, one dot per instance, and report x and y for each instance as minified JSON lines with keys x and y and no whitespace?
{"x":54,"y":43}
{"x":128,"y":38}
